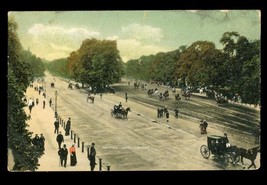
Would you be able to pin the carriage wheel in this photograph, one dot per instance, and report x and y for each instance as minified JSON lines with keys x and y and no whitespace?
{"x":205,"y":152}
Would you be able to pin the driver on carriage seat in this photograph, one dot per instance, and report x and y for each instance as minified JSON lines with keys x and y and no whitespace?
{"x":226,"y":140}
{"x":120,"y":105}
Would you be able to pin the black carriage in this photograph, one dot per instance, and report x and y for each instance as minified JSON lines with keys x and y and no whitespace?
{"x":120,"y":112}
{"x":216,"y":145}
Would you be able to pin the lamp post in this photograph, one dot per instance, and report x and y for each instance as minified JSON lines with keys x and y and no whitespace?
{"x":56,"y":104}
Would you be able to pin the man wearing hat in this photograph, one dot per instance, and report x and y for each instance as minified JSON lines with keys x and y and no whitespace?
{"x":91,"y":157}
{"x":63,"y":154}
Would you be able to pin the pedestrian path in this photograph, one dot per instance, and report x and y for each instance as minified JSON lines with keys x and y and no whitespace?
{"x":42,"y":121}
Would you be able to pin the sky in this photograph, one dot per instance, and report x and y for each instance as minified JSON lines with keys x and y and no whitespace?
{"x":55,"y":34}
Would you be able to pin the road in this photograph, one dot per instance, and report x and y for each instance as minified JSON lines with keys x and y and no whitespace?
{"x":140,"y":143}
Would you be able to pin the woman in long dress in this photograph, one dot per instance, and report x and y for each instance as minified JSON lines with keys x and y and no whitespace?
{"x":73,"y":159}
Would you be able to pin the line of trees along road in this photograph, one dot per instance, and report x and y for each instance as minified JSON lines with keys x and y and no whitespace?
{"x":235,"y":69}
{"x":23,"y":66}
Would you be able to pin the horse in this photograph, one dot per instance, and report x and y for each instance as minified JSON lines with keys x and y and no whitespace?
{"x":124,"y":112}
{"x":177,"y":97}
{"x":160,"y":112}
{"x":77,"y":86}
{"x":250,"y":154}
{"x":150,"y":92}
{"x":220,"y":100}
{"x":186,"y":94}
{"x":92,"y":98}
{"x":166,"y":94}
{"x":136,"y":85}
{"x":70,"y":86}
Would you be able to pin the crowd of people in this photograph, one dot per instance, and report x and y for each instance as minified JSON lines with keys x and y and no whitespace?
{"x":38,"y":141}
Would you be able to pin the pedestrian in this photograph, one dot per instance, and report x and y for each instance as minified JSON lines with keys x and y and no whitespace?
{"x":59,"y":140}
{"x":100,"y":95}
{"x":63,"y":154}
{"x":126,"y":97}
{"x":203,"y":126}
{"x":67,"y":128}
{"x":176,"y":110}
{"x":56,"y":123}
{"x":37,"y":101}
{"x":43,"y":104}
{"x":73,"y":158}
{"x":30,"y":105}
{"x":50,"y":102}
{"x":167,"y":116}
{"x":42,"y":142}
{"x":91,"y":157}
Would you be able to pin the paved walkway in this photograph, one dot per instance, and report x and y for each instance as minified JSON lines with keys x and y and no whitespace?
{"x":42,"y":121}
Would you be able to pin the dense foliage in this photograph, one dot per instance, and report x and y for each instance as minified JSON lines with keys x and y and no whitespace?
{"x":233,"y":70}
{"x":19,"y":76}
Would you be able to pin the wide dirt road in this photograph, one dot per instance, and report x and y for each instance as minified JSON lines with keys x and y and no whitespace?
{"x":141,"y":142}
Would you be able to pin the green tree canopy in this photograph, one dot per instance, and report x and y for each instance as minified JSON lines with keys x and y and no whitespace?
{"x":19,"y":74}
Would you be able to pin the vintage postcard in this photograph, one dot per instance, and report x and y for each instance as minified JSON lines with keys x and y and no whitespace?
{"x":144,"y":90}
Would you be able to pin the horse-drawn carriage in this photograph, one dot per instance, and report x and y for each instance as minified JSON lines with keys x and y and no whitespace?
{"x":70,"y":86}
{"x":90,"y":98}
{"x":186,"y":94}
{"x":217,"y":145}
{"x":119,"y":111}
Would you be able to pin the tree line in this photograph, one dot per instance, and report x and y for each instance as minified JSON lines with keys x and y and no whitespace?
{"x":233,"y":70}
{"x":22,"y":67}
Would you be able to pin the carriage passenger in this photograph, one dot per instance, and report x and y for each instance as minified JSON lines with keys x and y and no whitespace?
{"x":226,"y":140}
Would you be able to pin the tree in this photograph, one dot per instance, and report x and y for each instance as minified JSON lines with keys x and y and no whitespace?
{"x":201,"y":65}
{"x":19,"y":138}
{"x":36,"y":66}
{"x":96,"y":62}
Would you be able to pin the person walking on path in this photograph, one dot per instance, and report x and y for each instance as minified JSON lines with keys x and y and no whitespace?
{"x":42,"y":142}
{"x":73,"y":158}
{"x":63,"y":154}
{"x":50,"y":102}
{"x":167,"y":116}
{"x":67,"y":129}
{"x":43,"y":104}
{"x":91,"y":157}
{"x":176,"y":110}
{"x":60,"y":139}
{"x":126,"y":97}
{"x":56,"y":123}
{"x":30,"y":105}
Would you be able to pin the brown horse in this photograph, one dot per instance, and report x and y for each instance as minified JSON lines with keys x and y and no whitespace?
{"x":124,"y":112}
{"x":250,"y":154}
{"x":92,"y":98}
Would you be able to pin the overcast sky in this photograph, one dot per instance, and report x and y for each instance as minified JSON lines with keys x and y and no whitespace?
{"x":52,"y":35}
